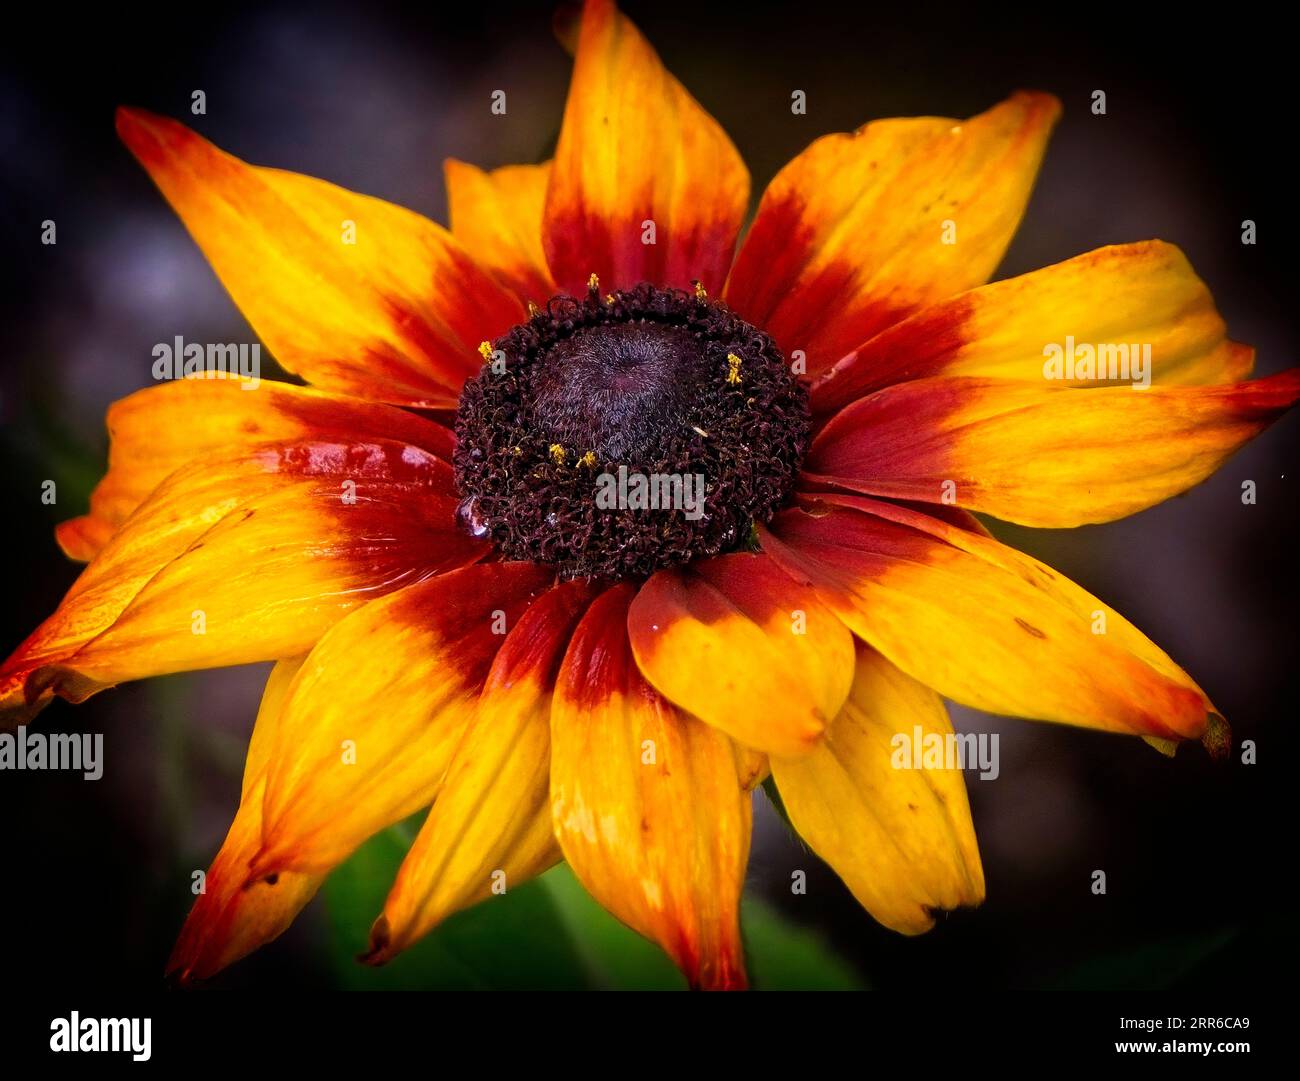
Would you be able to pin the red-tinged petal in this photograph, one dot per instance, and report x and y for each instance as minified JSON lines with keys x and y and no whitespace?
{"x":863,"y":229}
{"x":1039,"y":454}
{"x":157,"y":430}
{"x":740,"y":645}
{"x":638,"y":153}
{"x":243,"y":559}
{"x":892,"y":823}
{"x":352,"y":293}
{"x":490,"y":827}
{"x":228,"y":921}
{"x":1142,"y":294}
{"x":646,"y":803}
{"x":370,"y":723}
{"x":497,"y":216}
{"x":954,"y":516}
{"x":983,"y":624}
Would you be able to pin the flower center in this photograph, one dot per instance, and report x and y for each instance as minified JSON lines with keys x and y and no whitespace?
{"x":614,"y":435}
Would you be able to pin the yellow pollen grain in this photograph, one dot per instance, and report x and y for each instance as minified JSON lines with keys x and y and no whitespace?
{"x":588,"y":459}
{"x":558,"y":456}
{"x":485,"y":351}
{"x":593,"y":283}
{"x":533,"y":309}
{"x":733,"y":369}
{"x":700,"y":293}
{"x":609,"y":298}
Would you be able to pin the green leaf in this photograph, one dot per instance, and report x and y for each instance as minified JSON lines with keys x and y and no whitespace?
{"x":616,"y":955}
{"x":546,"y":934}
{"x":785,"y":957}
{"x":512,"y":942}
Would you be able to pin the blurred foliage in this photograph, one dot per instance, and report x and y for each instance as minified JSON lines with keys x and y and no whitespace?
{"x":547,"y":934}
{"x":1149,"y":966}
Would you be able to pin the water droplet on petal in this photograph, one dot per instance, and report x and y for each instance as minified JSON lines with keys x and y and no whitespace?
{"x":469,"y":519}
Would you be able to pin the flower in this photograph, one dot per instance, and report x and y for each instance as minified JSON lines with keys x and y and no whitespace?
{"x":459,"y":626}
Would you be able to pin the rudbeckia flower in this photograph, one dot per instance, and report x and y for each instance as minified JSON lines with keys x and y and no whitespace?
{"x":459,"y":625}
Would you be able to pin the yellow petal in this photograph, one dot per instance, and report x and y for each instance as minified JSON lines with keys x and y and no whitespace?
{"x":228,"y":921}
{"x":863,"y":229}
{"x":352,"y":293}
{"x":497,"y":216}
{"x":157,"y":430}
{"x":752,"y":767}
{"x":737,"y":643}
{"x":490,"y":828}
{"x":983,"y":624}
{"x":898,"y":832}
{"x":242,"y":559}
{"x":646,"y":803}
{"x":1144,"y":293}
{"x":370,"y":723}
{"x":645,"y":185}
{"x":1041,"y":454}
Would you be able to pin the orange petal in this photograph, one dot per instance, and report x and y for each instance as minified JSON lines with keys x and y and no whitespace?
{"x":983,"y":624}
{"x":638,"y":160}
{"x":228,"y":921}
{"x":752,"y":767}
{"x":646,"y":803}
{"x":740,"y":645}
{"x":863,"y":229}
{"x":370,"y":723}
{"x":243,"y":559}
{"x":1143,"y":293}
{"x":896,"y":828}
{"x":490,"y":828}
{"x":1039,"y":454}
{"x":497,"y":216}
{"x":159,"y":429}
{"x":352,"y":293}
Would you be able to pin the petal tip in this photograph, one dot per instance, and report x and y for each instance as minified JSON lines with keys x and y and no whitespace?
{"x":380,"y":951}
{"x":1041,"y":101}
{"x":130,"y":123}
{"x":1217,"y":739}
{"x":142,"y":132}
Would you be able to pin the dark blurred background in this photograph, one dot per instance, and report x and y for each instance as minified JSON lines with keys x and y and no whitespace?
{"x":373,"y":96}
